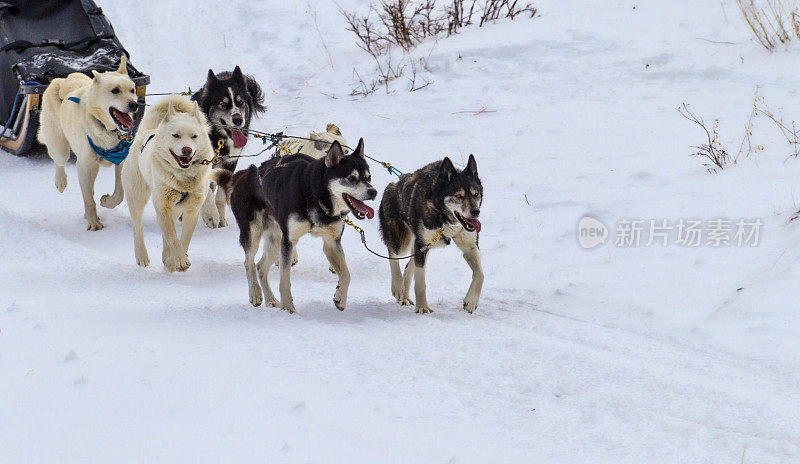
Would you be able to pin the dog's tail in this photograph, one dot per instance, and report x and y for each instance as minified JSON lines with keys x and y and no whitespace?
{"x":224,"y":179}
{"x":50,"y":116}
{"x":251,"y":183}
{"x":395,"y":234}
{"x":246,"y":197}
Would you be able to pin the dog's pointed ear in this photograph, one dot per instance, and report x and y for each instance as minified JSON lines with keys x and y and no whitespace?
{"x":123,"y":65}
{"x":472,"y":167}
{"x":334,"y":155}
{"x":359,"y":151}
{"x":237,"y":74}
{"x":211,"y":76}
{"x":333,"y":129}
{"x":195,"y":109}
{"x":446,"y":171}
{"x":96,"y":75}
{"x":168,"y":113}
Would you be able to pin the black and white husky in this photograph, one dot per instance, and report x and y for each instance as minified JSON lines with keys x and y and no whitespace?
{"x":414,"y":210}
{"x":227,"y":99}
{"x":292,"y":196}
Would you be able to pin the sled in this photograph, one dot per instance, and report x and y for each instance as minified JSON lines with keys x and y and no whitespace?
{"x":41,"y":40}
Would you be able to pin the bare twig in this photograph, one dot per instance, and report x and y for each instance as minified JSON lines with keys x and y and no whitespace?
{"x":771,"y":24}
{"x":406,"y":23}
{"x":748,"y":131}
{"x":313,"y":14}
{"x":721,"y":42}
{"x":790,"y":134}
{"x":475,"y":113}
{"x":364,"y":89}
{"x":712,"y":150}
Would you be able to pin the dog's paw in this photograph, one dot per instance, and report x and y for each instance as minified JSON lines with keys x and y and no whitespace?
{"x":178,"y":263}
{"x":272,"y":302}
{"x":470,"y":304}
{"x":295,"y":259}
{"x":402,"y":298}
{"x":337,"y":301}
{"x":184,"y":263}
{"x":61,"y":179}
{"x":340,"y":298}
{"x":142,"y":260}
{"x":399,"y":294}
{"x":211,"y":219}
{"x":223,"y":222}
{"x":110,"y":201}
{"x":424,"y":309}
{"x":288,"y":306}
{"x":94,"y":224}
{"x":255,"y":295}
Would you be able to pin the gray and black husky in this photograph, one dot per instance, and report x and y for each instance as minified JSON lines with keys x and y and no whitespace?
{"x":413,"y":210}
{"x":229,"y":99}
{"x":289,"y":197}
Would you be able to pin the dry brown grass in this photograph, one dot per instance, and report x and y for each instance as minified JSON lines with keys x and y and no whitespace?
{"x":406,"y":23}
{"x":713,"y":151}
{"x":715,"y":154}
{"x":772,"y":22}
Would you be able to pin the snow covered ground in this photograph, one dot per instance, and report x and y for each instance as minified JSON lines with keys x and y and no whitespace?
{"x":640,"y":354}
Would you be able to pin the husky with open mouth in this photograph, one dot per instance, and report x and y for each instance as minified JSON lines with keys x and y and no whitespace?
{"x":287,"y":198}
{"x":415,"y":209}
{"x":168,"y":162}
{"x":229,"y":99}
{"x":92,"y":116}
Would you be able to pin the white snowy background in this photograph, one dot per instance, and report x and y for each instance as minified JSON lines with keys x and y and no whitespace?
{"x":649,"y":354}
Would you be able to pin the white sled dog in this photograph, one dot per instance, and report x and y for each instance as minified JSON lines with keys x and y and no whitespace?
{"x":166,"y":162}
{"x":94,"y":117}
{"x":319,"y":144}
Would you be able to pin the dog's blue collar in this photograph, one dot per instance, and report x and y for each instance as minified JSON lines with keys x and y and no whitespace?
{"x":324,"y":208}
{"x":116,"y":155}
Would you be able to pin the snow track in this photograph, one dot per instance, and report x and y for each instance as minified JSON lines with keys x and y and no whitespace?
{"x":657,"y":355}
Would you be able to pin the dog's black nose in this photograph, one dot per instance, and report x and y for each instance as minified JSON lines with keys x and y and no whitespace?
{"x":475,"y":212}
{"x":237,"y":120}
{"x":372,"y":193}
{"x":186,"y":151}
{"x":132,"y":107}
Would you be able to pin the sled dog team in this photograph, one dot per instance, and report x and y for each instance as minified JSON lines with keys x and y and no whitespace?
{"x":168,"y":161}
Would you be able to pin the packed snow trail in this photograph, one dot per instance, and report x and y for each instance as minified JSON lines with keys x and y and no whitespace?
{"x":651,"y":354}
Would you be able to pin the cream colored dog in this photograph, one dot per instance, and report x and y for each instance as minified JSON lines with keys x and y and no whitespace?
{"x":166,"y":163}
{"x":319,"y":144}
{"x":79,"y":111}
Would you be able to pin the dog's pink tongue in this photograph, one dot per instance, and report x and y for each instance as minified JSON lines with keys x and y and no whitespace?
{"x":474,"y":223}
{"x":124,"y":118}
{"x":239,"y":139}
{"x":363,"y":208}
